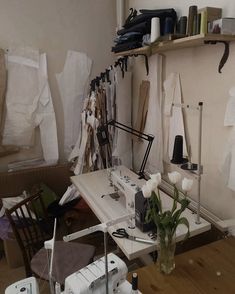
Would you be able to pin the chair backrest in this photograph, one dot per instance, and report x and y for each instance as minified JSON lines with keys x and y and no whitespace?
{"x":31,"y":226}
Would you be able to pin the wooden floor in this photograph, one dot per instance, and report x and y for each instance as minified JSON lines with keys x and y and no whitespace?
{"x":9,"y":276}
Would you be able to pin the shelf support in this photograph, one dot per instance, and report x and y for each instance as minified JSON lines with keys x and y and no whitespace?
{"x":145,"y":59}
{"x":225,"y":54}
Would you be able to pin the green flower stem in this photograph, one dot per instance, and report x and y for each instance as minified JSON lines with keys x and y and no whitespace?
{"x":159,"y":201}
{"x":167,"y":221}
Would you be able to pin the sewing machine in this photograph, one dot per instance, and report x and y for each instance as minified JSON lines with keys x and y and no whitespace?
{"x":126,"y":187}
{"x":91,"y":279}
{"x":129,"y":192}
{"x":26,"y":286}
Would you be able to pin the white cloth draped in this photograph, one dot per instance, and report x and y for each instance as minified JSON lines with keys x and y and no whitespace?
{"x":73,"y":86}
{"x":29,"y":103}
{"x":228,"y":167}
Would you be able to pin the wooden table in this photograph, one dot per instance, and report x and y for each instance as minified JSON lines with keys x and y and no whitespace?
{"x":205,"y":270}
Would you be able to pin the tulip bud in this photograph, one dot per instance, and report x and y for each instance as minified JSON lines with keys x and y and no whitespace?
{"x":174,"y":177}
{"x":157,"y":178}
{"x":146,"y":190}
{"x":187,"y":184}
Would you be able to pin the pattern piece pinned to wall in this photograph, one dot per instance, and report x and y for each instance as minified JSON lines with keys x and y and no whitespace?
{"x":73,"y":86}
{"x":228,"y":166}
{"x":29,"y":103}
{"x":143,"y":106}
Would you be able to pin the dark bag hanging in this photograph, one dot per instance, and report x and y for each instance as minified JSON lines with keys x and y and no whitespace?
{"x":144,"y":28}
{"x":146,"y":16}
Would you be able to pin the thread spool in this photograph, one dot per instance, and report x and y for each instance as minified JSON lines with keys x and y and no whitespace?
{"x":120,"y":7}
{"x":155,"y":29}
{"x":168,"y":27}
{"x":183,"y":25}
{"x":191,"y":19}
{"x":177,"y":156}
{"x":134,"y":283}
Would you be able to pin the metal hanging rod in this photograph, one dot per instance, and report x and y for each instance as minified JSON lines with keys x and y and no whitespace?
{"x":187,"y":106}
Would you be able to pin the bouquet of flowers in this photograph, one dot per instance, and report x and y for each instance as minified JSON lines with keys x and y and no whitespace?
{"x":170,"y":219}
{"x":167,"y":221}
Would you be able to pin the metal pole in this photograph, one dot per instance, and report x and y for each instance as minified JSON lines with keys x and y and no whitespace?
{"x":106,"y":263}
{"x":49,"y":257}
{"x":199,"y":170}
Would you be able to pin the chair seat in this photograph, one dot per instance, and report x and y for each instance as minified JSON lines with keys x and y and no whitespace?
{"x":69,"y":257}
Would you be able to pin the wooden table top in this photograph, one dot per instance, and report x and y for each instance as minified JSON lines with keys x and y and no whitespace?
{"x":204,"y":270}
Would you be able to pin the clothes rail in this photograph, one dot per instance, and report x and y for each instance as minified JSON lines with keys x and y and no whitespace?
{"x":122,"y":62}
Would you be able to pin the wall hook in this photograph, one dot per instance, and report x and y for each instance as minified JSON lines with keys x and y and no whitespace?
{"x":225,"y":54}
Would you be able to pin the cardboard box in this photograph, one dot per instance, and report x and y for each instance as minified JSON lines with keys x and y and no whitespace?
{"x":225,"y":26}
{"x":208,"y":14}
{"x":13,"y":253}
{"x":56,"y":177}
{"x":212,"y":13}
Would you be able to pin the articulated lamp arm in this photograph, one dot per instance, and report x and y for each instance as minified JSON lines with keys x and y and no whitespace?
{"x":102,"y":136}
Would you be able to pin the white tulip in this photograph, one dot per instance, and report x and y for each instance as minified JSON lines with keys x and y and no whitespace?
{"x":174,"y":177}
{"x":146,"y":190}
{"x":187,"y":184}
{"x":157,"y":178}
{"x":152,"y":184}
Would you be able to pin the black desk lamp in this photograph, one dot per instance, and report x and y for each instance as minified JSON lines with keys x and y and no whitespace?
{"x":102,"y":136}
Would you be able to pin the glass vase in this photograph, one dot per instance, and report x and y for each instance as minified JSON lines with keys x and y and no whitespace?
{"x":166,"y":252}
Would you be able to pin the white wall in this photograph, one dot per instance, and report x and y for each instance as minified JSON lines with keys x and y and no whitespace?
{"x":55,"y":26}
{"x":202,"y":82}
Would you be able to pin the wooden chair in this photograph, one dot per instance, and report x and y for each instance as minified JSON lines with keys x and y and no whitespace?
{"x":32,"y":226}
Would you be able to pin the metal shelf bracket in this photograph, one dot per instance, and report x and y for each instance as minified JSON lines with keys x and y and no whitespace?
{"x":225,"y":54}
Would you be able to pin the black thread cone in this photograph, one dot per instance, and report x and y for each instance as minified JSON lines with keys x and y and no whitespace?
{"x":177,"y":156}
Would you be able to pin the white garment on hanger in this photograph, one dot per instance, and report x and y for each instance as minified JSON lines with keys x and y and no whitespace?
{"x":73,"y":85}
{"x":29,"y":103}
{"x":228,"y":167}
{"x":173,"y":115}
{"x":154,"y":118}
{"x":80,"y":147}
{"x":83,"y":129}
{"x":123,"y":142}
{"x":87,"y":119}
{"x":110,"y":89}
{"x":229,"y":118}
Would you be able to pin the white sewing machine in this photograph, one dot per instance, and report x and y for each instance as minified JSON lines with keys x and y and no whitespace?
{"x":25,"y":286}
{"x":127,"y":185}
{"x":91,"y":279}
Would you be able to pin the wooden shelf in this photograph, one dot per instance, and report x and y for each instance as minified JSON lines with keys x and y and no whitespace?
{"x":192,"y":41}
{"x":146,"y":50}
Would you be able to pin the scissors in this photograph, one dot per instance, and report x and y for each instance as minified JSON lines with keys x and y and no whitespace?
{"x":122,"y":233}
